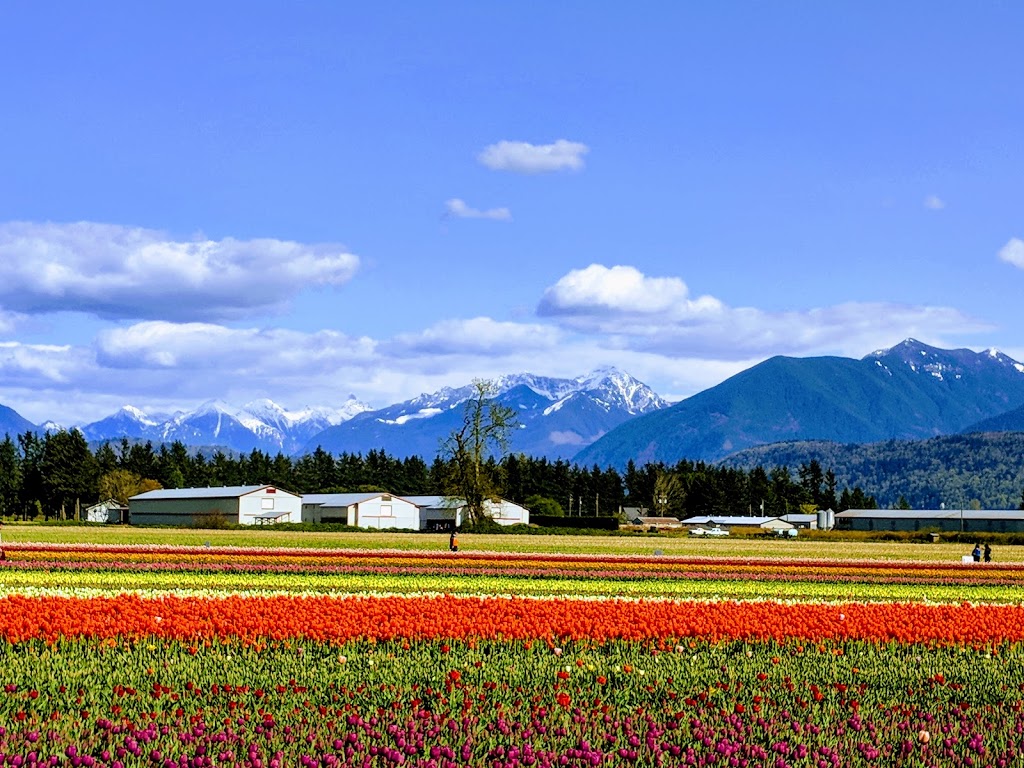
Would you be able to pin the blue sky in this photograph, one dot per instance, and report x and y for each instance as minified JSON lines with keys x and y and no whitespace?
{"x":303,"y":201}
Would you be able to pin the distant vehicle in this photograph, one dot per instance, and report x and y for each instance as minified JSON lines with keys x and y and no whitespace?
{"x":716,"y":531}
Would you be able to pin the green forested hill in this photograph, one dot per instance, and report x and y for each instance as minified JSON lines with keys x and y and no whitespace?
{"x":983,"y":470}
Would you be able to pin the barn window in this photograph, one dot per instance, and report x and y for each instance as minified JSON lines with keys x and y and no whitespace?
{"x":266,"y":503}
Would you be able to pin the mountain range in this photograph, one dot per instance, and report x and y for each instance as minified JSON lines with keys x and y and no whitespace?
{"x":911,"y":392}
{"x":556,"y":417}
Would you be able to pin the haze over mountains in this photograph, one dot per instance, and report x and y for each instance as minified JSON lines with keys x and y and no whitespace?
{"x":909,"y":392}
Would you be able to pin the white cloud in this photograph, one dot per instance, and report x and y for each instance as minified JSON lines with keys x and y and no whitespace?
{"x":458,"y":208}
{"x":8,"y":321}
{"x":476,"y":336}
{"x":934,"y":203}
{"x":623,"y":291}
{"x":634,"y":311}
{"x":523,"y":157}
{"x":1013,"y":252}
{"x":42,"y":365}
{"x":118,"y":272}
{"x":243,"y":352}
{"x":597,"y":316}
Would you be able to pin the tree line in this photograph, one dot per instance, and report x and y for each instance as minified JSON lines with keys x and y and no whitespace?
{"x":55,"y":475}
{"x":972,"y":471}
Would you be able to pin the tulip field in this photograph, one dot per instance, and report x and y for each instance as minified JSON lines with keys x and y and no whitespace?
{"x":165,"y":655}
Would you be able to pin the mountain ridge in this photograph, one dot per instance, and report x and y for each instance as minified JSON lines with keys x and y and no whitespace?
{"x":909,"y":391}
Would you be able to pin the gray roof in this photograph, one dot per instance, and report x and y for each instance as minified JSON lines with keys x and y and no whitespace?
{"x":223,"y":492}
{"x":343,"y":499}
{"x":436,"y":502}
{"x":934,"y":514}
{"x":799,"y":518}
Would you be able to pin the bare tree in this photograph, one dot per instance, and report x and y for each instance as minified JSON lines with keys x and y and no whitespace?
{"x":486,"y":430}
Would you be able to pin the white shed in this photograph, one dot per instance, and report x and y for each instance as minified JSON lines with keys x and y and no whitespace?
{"x":109,"y":511}
{"x":362,"y":510}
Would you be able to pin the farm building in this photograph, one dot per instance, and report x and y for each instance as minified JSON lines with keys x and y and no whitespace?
{"x":244,"y":504}
{"x":362,"y":510}
{"x":966,"y":520}
{"x":808,"y":522}
{"x":739,"y":521}
{"x":109,"y":511}
{"x":661,"y":523}
{"x":440,"y":513}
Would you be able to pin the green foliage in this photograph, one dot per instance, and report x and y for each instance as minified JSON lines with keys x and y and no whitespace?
{"x":543,"y":505}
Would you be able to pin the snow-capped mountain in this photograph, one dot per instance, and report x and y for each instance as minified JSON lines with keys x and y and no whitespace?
{"x":557,"y":417}
{"x":261,"y":424}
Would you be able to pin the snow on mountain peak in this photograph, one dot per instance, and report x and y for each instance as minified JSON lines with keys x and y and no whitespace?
{"x":137,"y":414}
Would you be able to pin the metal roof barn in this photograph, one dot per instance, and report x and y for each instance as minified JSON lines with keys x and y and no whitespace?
{"x":243,"y":504}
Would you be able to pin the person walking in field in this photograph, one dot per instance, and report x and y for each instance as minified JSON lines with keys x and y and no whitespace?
{"x":453,"y":541}
{"x":988,"y":553}
{"x":976,"y":553}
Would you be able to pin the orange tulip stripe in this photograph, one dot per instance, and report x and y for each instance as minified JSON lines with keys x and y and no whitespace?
{"x":338,"y":620}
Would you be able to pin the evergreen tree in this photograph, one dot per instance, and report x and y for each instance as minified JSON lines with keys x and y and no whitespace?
{"x":69,"y":471}
{"x":10,"y":477}
{"x":31,"y":474}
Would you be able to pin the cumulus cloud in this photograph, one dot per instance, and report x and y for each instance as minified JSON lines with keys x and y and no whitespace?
{"x":42,"y":365}
{"x":622,"y":291}
{"x":657,"y":314}
{"x":1013,"y":252}
{"x":523,"y":157}
{"x":117,"y":272}
{"x":458,"y":208}
{"x":476,"y":336}
{"x":934,"y":203}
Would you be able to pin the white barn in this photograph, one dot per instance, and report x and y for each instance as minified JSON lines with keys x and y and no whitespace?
{"x":361,"y":510}
{"x":243,"y":504}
